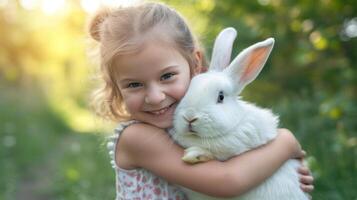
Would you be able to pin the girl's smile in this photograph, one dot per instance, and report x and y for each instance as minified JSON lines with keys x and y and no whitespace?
{"x":161,"y":111}
{"x":152,"y":82}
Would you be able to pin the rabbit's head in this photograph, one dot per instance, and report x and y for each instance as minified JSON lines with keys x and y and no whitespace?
{"x":210,"y":107}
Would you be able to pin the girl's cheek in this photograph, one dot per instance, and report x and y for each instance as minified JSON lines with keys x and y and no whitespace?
{"x":184,"y":87}
{"x":181,"y":90}
{"x":131,"y":102}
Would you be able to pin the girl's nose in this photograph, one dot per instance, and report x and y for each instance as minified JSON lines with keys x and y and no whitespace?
{"x":154,"y":95}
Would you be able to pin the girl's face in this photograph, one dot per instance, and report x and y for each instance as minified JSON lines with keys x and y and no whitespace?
{"x":152,"y":82}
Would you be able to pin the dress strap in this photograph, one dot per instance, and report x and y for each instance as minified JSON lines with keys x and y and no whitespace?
{"x":113,"y":140}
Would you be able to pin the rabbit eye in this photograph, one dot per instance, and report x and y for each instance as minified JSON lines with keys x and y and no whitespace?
{"x":220,"y":97}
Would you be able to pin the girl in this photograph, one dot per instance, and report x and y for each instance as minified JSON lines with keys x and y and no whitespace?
{"x":148,"y":57}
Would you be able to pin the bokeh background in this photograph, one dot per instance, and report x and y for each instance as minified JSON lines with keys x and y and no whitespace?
{"x":52,"y":147}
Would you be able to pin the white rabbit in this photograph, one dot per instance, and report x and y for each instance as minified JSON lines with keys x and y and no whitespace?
{"x":212,"y":122}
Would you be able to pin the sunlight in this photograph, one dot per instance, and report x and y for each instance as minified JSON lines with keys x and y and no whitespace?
{"x":29,"y":4}
{"x":351,"y":28}
{"x":91,"y":6}
{"x":120,"y":2}
{"x":3,"y":3}
{"x":50,"y":7}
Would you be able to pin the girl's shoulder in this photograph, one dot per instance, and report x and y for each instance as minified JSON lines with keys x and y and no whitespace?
{"x":133,"y":140}
{"x":131,"y":131}
{"x":113,"y":141}
{"x":122,"y":126}
{"x":137,"y":137}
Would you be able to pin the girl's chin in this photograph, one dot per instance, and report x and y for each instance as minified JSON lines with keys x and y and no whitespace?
{"x":165,"y":120}
{"x":163,"y":127}
{"x":160,"y":123}
{"x":163,"y":124}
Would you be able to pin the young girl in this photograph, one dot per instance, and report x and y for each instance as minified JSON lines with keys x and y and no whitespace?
{"x":148,"y":57}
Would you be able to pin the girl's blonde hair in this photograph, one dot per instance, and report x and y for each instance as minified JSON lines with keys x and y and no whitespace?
{"x":122,"y":31}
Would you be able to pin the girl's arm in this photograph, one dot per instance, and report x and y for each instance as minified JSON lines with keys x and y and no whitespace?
{"x":145,"y":146}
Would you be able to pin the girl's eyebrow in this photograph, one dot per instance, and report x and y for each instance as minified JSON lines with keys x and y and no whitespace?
{"x":169,"y":67}
{"x":124,"y":81}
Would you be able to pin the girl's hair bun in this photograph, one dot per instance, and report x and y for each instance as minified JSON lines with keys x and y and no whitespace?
{"x":96,"y":22}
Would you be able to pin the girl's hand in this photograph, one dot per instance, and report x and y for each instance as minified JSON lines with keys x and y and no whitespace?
{"x":305,"y":177}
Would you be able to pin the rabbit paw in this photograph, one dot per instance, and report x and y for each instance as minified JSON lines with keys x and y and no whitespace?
{"x":196,"y":154}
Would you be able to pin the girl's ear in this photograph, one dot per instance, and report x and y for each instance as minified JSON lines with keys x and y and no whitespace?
{"x":248,"y":64}
{"x":198,"y":68}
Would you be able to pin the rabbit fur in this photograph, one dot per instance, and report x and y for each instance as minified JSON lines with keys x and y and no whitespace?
{"x":213,"y":122}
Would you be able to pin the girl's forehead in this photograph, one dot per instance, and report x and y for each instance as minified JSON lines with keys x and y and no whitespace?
{"x":152,"y":56}
{"x":156,"y":36}
{"x":150,"y":51}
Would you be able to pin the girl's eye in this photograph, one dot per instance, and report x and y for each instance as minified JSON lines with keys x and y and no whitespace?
{"x":167,"y":76}
{"x":134,"y":85}
{"x":220,"y":97}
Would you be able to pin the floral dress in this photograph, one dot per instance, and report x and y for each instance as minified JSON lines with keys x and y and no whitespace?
{"x":140,"y":184}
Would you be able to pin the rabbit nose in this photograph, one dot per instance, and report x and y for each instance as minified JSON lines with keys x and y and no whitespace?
{"x":190,"y":120}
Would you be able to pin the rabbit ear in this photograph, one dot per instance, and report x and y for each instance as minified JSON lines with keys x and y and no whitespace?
{"x":222,"y":49}
{"x":248,"y":64}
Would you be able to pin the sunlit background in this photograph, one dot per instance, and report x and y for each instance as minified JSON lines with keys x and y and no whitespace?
{"x":52,"y":147}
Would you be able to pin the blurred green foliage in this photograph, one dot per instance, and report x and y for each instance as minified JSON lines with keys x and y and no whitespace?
{"x":49,"y":143}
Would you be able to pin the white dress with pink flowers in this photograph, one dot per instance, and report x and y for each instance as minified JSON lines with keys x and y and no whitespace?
{"x":140,"y":184}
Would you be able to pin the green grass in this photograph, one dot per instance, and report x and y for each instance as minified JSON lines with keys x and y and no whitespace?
{"x":41,"y":158}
